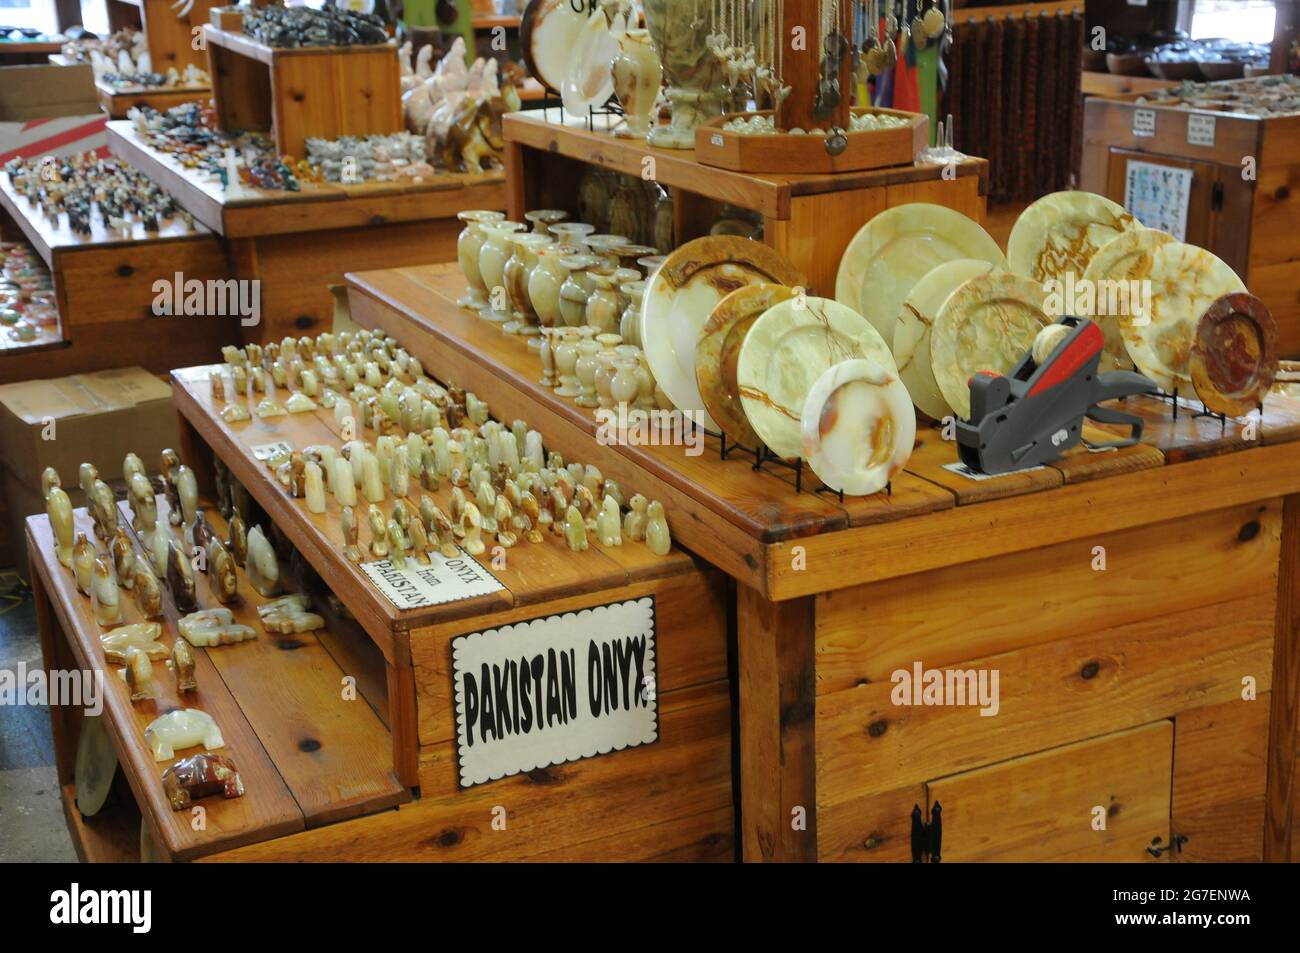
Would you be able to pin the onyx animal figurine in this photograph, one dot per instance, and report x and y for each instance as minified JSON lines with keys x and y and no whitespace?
{"x":144,"y":506}
{"x":200,"y":776}
{"x":138,"y":675}
{"x":349,"y":524}
{"x":142,"y":636}
{"x":148,"y":597}
{"x":187,"y":488}
{"x":87,"y":474}
{"x":103,"y":594}
{"x":199,"y":532}
{"x":122,"y":552}
{"x":58,"y":506}
{"x":222,"y":578}
{"x":180,"y":581}
{"x":181,"y":728}
{"x":237,"y":537}
{"x":103,"y":509}
{"x":83,"y":563}
{"x":182,"y":665}
{"x":169,"y":464}
{"x":262,"y":566}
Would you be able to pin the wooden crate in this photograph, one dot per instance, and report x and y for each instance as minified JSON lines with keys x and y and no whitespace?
{"x":1121,"y":689}
{"x":725,"y":149}
{"x":104,"y":287}
{"x":304,"y":92}
{"x":1243,"y":204}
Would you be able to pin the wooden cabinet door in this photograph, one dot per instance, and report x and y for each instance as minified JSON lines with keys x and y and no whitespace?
{"x":1044,"y":807}
{"x":1200,"y":203}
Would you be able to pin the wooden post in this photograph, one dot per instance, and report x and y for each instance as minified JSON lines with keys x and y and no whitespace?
{"x":1286,"y":691}
{"x":778,"y":694}
{"x":800,"y":38}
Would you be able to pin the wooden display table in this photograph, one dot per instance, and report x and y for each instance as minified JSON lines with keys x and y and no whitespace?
{"x":104,"y":289}
{"x":809,"y":218}
{"x":328,"y":762}
{"x":297,"y":243}
{"x":1122,"y":597}
{"x":1243,"y":201}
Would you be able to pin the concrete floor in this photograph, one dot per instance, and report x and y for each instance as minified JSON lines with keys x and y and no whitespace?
{"x":32,"y":829}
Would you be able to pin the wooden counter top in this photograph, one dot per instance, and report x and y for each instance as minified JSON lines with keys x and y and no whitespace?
{"x":315,"y":207}
{"x":757,"y":528}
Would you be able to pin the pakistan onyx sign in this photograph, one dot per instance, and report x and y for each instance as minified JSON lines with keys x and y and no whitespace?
{"x":554,"y":689}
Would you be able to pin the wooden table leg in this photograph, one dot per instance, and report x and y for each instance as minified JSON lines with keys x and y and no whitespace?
{"x":56,"y":656}
{"x":777,"y":738}
{"x":1286,"y":691}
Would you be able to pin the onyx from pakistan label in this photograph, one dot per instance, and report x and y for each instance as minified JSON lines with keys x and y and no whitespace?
{"x":415,"y":586}
{"x":554,"y":689}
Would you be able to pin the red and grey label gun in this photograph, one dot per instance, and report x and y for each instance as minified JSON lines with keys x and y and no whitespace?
{"x":1035,"y":413}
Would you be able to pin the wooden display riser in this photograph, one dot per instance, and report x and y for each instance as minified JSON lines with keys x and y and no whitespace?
{"x":808,"y":218}
{"x":173,"y":38}
{"x":103,"y":285}
{"x":1109,"y":672}
{"x":297,"y":243}
{"x":1244,"y":214}
{"x":300,"y":92}
{"x":669,"y":799}
{"x":117,"y":102}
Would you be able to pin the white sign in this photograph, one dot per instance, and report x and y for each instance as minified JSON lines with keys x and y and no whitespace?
{"x":1144,"y":122}
{"x":1158,"y":196}
{"x":1200,"y":130}
{"x":443,"y":580}
{"x":555,"y":689}
{"x":961,"y":469}
{"x":266,"y":451}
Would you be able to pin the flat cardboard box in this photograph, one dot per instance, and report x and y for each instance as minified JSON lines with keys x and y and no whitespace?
{"x":49,"y":110}
{"x":96,"y":418}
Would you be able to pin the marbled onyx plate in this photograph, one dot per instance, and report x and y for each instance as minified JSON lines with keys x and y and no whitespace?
{"x":718,"y":352}
{"x":1234,"y":355}
{"x":1061,"y":232}
{"x":788,"y":348}
{"x":681,"y":295}
{"x":987,"y":324}
{"x":589,"y":79}
{"x":96,"y":766}
{"x":914,"y":326}
{"x":548,"y":31}
{"x":1124,"y":259}
{"x":1185,"y":281}
{"x":858,"y":427}
{"x":896,"y":248}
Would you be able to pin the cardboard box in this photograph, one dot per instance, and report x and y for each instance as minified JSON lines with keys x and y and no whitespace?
{"x":96,"y":417}
{"x":49,"y":110}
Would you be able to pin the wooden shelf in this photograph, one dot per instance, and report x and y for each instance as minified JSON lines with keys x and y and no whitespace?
{"x":487,"y":22}
{"x":245,"y":45}
{"x":267,"y":703}
{"x":118,"y":100}
{"x":769,"y":194}
{"x":51,"y":239}
{"x":536,"y":573}
{"x":1115,"y":84}
{"x":316,"y":207}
